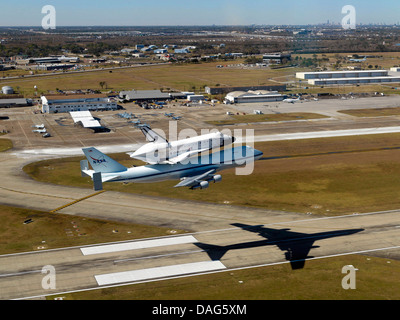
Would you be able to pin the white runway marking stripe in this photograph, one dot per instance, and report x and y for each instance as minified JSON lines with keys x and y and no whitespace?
{"x":159,"y":272}
{"x":134,"y":245}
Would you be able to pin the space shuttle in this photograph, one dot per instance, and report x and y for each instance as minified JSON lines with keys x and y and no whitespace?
{"x":160,"y":151}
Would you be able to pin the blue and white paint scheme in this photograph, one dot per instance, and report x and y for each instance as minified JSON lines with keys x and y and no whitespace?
{"x":196,"y":173}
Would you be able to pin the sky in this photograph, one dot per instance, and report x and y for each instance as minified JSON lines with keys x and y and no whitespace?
{"x":199,"y":12}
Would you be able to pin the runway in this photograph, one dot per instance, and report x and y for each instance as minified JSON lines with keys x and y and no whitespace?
{"x":236,"y":247}
{"x":41,"y":153}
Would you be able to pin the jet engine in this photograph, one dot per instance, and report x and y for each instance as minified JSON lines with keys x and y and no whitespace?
{"x":201,"y":185}
{"x":204,"y":185}
{"x":217,"y":178}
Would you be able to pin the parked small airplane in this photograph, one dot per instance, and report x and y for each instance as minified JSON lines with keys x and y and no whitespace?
{"x":289,"y":100}
{"x":159,"y":150}
{"x":194,"y":175}
{"x":38,"y":126}
{"x":169,"y":114}
{"x":40,"y":130}
{"x":177,"y":118}
{"x":358,"y":60}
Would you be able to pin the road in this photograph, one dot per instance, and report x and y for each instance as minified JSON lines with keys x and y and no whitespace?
{"x":235,"y":247}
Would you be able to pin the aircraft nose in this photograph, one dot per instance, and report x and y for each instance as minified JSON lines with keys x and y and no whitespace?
{"x":233,"y":139}
{"x":259,"y":154}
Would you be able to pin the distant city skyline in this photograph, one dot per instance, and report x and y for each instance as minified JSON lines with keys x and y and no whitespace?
{"x":187,"y":13}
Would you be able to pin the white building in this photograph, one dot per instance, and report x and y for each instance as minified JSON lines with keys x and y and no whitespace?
{"x":85,"y":119}
{"x":252,"y":96}
{"x":276,"y":58}
{"x":348,"y":77}
{"x":341,"y":74}
{"x":195,"y":97}
{"x":361,"y":80}
{"x":57,"y":105}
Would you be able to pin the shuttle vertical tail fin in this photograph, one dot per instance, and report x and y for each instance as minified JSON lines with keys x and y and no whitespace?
{"x":151,"y":135}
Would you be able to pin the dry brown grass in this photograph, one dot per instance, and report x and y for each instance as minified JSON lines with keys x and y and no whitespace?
{"x":378,"y":112}
{"x":55,"y":230}
{"x":179,"y":77}
{"x":319,"y":280}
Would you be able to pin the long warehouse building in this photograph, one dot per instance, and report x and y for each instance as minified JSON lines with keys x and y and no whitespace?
{"x":341,"y":74}
{"x":361,"y":80}
{"x":348,"y":77}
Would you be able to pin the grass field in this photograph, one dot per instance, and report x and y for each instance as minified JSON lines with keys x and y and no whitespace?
{"x":379,"y":112}
{"x":50,"y":231}
{"x":251,"y":118}
{"x":318,"y":280}
{"x":321,"y":176}
{"x":5,"y":144}
{"x":180,"y":77}
{"x":187,"y":77}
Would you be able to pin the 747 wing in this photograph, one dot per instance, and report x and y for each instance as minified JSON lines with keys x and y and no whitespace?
{"x":200,"y":181}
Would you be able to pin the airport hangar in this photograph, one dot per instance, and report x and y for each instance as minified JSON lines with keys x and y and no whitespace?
{"x":341,"y":74}
{"x":18,"y":102}
{"x":347,"y":77}
{"x":252,"y":96}
{"x":222,"y":90}
{"x":360,"y":80}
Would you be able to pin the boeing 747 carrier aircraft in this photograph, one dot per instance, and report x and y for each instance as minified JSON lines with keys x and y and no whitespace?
{"x":196,"y":174}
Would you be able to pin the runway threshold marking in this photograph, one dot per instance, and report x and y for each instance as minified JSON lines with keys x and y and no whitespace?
{"x":76,"y":201}
{"x":134,"y":245}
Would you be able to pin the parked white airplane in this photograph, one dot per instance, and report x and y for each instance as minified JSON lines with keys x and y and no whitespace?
{"x":160,"y":151}
{"x":358,"y":60}
{"x":194,"y":175}
{"x":289,"y":100}
{"x":40,"y":130}
{"x":38,"y":126}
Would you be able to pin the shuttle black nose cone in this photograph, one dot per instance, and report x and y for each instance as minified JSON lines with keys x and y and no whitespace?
{"x":233,"y":139}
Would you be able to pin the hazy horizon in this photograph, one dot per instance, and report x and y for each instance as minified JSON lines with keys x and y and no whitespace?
{"x":25,"y":13}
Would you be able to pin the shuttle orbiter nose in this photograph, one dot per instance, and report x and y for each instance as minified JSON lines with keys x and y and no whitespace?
{"x":228,"y":139}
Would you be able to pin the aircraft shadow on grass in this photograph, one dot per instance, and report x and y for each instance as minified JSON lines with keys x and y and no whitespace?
{"x":296,"y":245}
